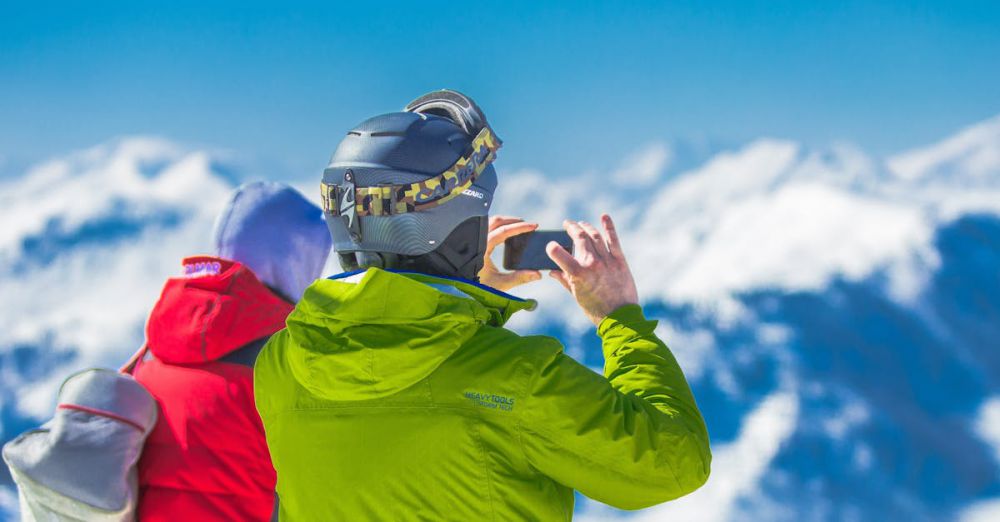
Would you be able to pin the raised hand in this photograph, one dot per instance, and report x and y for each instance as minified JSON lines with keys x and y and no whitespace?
{"x":596,"y":273}
{"x":501,"y":228}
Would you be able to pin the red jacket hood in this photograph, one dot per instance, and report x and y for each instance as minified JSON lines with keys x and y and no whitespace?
{"x":217,"y":307}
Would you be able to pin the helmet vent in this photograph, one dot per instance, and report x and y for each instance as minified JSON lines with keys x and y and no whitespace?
{"x":444,"y":113}
{"x":451,"y":105}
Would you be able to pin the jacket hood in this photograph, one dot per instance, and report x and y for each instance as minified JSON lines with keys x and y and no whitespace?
{"x":215,"y":308}
{"x":275,"y":232}
{"x":370,"y":334}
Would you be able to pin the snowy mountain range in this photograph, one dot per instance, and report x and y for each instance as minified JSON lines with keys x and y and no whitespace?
{"x":838,"y":314}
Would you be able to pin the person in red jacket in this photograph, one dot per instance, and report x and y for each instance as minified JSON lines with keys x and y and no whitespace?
{"x":206,"y":458}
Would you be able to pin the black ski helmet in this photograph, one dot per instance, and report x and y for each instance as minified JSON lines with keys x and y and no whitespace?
{"x":412,"y":190}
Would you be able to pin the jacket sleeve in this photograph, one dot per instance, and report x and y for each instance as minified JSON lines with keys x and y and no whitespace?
{"x":630,"y":439}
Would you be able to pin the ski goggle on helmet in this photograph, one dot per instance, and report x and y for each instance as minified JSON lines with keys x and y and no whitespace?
{"x":403,"y":184}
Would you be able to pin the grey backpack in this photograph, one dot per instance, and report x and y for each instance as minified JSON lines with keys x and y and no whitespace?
{"x":81,"y":465}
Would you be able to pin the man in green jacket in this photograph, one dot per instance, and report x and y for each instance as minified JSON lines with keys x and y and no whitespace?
{"x":395,"y":393}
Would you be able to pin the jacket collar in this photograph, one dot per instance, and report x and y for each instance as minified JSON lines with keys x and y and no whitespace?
{"x":501,"y":304}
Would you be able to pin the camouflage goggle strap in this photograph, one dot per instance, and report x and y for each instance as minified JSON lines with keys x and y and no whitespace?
{"x":388,"y":200}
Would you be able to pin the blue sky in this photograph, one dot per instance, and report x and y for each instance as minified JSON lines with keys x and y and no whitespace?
{"x":569,"y":86}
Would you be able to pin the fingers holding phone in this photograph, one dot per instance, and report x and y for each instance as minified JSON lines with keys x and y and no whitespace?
{"x":588,"y":262}
{"x":595,"y":271}
{"x":501,"y":229}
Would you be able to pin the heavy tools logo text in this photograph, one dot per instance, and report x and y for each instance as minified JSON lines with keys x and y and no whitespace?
{"x":490,"y":400}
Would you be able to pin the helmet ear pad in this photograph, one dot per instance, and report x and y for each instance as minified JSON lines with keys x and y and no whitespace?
{"x":462,"y":254}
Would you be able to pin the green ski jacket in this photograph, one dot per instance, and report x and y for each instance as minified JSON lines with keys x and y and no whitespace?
{"x":400,"y":396}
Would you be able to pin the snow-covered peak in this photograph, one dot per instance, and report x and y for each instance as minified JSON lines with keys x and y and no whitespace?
{"x":645,"y":167}
{"x":756,"y":168}
{"x":129,"y":179}
{"x":87,"y":242}
{"x":773,"y":214}
{"x":970,"y":157}
{"x":89,"y":238}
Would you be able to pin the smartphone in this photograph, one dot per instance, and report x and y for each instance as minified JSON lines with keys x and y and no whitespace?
{"x":527,"y":251}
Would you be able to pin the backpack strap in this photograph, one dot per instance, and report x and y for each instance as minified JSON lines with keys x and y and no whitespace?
{"x":133,"y":361}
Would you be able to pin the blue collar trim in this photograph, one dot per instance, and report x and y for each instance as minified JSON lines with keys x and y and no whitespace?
{"x":489,"y":289}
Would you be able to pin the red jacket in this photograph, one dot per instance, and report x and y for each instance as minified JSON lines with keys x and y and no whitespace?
{"x":206,"y":459}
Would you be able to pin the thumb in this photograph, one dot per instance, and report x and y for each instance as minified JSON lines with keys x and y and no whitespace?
{"x":526,"y":276}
